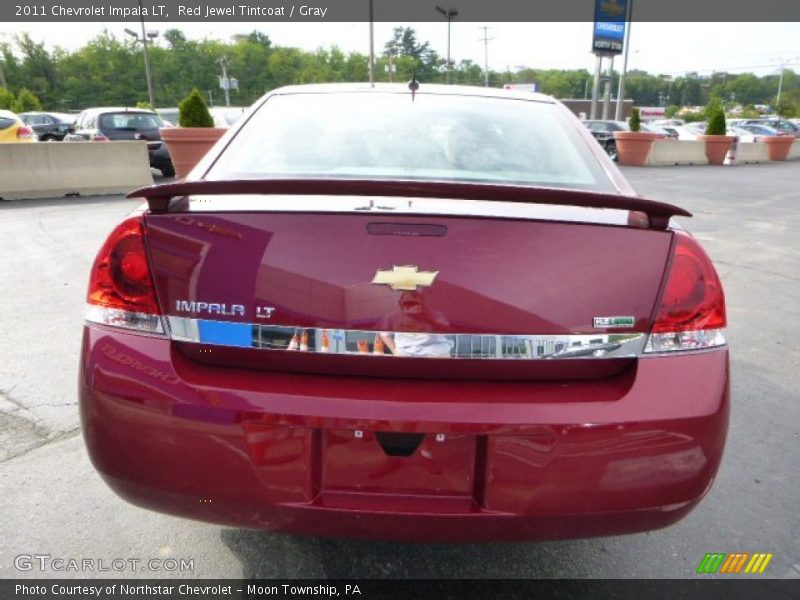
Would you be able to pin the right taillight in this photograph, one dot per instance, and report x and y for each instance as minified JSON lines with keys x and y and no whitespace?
{"x":24,"y":133}
{"x":691,"y":315}
{"x":121,"y":291}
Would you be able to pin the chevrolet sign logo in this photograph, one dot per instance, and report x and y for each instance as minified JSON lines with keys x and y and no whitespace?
{"x":613,"y":8}
{"x":405,"y":278}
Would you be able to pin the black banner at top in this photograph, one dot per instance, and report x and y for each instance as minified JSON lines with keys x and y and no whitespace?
{"x":315,"y":11}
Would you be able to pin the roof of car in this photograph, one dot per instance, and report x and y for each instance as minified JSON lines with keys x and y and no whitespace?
{"x":105,"y":109}
{"x":56,"y":114}
{"x":424,"y":88}
{"x":8,"y":114}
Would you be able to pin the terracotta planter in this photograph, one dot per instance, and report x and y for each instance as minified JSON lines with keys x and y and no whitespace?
{"x":717,"y":147}
{"x":633,"y":147}
{"x":778,"y":146}
{"x":187,"y":145}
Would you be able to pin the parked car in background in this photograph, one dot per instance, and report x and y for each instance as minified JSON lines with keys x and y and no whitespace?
{"x":782,"y":126}
{"x":224,"y":116}
{"x":13,"y":129}
{"x":603,"y":132}
{"x":429,"y":314}
{"x":120,"y":123}
{"x":758,"y":129}
{"x":690,"y":131}
{"x":743,"y":134}
{"x":668,"y":122}
{"x":666,"y":132}
{"x":169,"y":116}
{"x":49,"y":126}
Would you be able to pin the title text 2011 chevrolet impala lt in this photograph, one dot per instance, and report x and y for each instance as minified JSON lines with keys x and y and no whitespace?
{"x":436,"y":313}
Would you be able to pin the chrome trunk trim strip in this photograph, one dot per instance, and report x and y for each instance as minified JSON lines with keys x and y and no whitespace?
{"x":600,"y":345}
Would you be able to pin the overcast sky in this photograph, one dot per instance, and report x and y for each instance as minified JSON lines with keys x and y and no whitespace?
{"x":668,"y":48}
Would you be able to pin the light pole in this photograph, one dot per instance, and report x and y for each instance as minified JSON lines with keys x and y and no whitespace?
{"x":147,"y":70}
{"x":449,"y":14}
{"x":485,"y":39}
{"x":627,"y":42}
{"x":223,"y":62}
{"x":371,"y":46}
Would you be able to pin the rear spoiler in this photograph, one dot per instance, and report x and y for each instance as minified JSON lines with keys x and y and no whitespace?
{"x":658,"y":213}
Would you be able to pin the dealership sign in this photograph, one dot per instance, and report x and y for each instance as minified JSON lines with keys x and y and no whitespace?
{"x":609,"y":26}
{"x":652,"y":112}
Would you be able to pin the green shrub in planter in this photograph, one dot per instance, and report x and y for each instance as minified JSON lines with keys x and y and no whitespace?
{"x":636,"y":121}
{"x":716,"y":118}
{"x":193,"y":112}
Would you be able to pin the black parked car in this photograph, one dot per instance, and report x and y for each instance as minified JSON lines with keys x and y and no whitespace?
{"x":48,"y":126}
{"x":112,"y":124}
{"x":603,"y":132}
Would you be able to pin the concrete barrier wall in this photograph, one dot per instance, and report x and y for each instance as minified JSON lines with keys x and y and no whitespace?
{"x":794,"y":153}
{"x":55,"y":169}
{"x":678,"y":152}
{"x":750,"y":152}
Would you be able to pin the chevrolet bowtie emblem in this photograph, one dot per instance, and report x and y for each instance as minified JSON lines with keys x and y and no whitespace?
{"x":613,"y":8}
{"x":405,"y":278}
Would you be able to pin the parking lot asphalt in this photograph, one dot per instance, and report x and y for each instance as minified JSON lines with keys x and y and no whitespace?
{"x":53,"y":502}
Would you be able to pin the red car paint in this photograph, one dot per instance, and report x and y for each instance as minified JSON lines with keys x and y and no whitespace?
{"x":532,"y":460}
{"x":408,"y":448}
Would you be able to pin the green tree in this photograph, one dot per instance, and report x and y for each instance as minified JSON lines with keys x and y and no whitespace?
{"x":193,"y":111}
{"x":429,"y":66}
{"x":636,"y":121}
{"x":715,"y":115}
{"x":6,"y":98}
{"x":26,"y":101}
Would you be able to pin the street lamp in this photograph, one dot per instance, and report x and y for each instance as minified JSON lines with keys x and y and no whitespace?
{"x":147,"y":70}
{"x":449,"y":14}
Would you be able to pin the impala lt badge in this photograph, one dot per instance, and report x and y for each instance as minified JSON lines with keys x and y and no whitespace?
{"x":264,"y":312}
{"x":209,"y":308}
{"x":404,"y":278}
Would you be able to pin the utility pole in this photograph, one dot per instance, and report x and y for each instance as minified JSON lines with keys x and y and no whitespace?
{"x":226,"y":83}
{"x":371,"y":46}
{"x":607,"y":92}
{"x":621,"y":88}
{"x":147,"y":69}
{"x":486,"y":39}
{"x":598,"y":65}
{"x":449,"y":14}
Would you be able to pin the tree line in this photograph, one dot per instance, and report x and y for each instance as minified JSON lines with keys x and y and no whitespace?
{"x":110,"y":71}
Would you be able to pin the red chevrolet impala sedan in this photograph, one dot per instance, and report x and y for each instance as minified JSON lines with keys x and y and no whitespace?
{"x":420,"y":314}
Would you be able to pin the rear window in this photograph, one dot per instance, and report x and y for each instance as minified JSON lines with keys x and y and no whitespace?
{"x":435,"y":137}
{"x":6,"y":122}
{"x":128,"y":121}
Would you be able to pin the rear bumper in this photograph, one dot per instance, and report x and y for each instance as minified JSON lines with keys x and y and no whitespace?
{"x":512,"y":460}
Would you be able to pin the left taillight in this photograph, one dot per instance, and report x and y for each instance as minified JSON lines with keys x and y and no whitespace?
{"x":25,"y":133}
{"x":121,"y":291}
